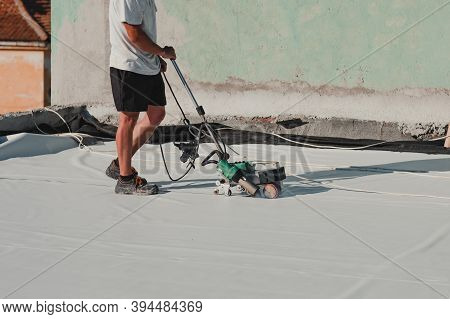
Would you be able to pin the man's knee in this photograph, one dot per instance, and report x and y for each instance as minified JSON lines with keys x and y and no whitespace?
{"x":128,"y":119}
{"x":156,"y":115}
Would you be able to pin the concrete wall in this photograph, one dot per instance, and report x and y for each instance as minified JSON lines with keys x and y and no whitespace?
{"x":80,"y":52}
{"x":384,"y":60}
{"x":22,"y":74}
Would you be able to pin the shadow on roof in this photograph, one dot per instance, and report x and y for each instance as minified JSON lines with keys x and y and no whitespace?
{"x":30,"y":145}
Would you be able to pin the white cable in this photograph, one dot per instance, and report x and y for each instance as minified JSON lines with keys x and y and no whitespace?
{"x":332,"y":147}
{"x":438,"y":139}
{"x":339,"y":187}
{"x":206,"y":133}
{"x":79,"y":137}
{"x":273,"y":134}
{"x":362,"y":169}
{"x":391,"y":171}
{"x":329,"y":147}
{"x":62,"y":119}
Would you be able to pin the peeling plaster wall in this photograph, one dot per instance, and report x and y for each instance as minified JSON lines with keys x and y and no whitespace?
{"x":21,"y":80}
{"x":80,"y":52}
{"x":365,"y":60}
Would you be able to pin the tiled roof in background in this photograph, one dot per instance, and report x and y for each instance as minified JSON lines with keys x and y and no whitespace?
{"x":18,"y":24}
{"x":40,"y":10}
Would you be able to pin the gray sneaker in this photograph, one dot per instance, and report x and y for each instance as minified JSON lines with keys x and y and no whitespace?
{"x":136,"y":186}
{"x":113,"y":170}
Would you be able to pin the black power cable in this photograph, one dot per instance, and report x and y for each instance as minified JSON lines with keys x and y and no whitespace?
{"x":185,"y":120}
{"x":190,"y":167}
{"x":205,"y":128}
{"x":187,"y":123}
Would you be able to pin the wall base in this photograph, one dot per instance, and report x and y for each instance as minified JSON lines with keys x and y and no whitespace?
{"x":289,"y":125}
{"x":305,"y":125}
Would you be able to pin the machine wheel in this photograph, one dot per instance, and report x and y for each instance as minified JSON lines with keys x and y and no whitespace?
{"x":271,"y":191}
{"x":228,"y":193}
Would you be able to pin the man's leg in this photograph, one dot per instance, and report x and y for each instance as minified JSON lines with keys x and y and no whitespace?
{"x":129,"y":183}
{"x":124,"y":141}
{"x":145,"y":127}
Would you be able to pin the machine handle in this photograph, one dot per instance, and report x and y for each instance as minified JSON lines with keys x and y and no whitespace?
{"x":198,"y":107}
{"x":186,"y":85}
{"x":208,"y":160}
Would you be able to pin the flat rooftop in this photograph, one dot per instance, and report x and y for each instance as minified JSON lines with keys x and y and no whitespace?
{"x":349,"y":224}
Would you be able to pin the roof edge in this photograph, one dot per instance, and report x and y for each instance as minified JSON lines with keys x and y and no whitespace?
{"x":23,"y":44}
{"x":31,"y":22}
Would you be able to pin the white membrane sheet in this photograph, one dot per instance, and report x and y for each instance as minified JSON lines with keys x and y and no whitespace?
{"x":350,"y":224}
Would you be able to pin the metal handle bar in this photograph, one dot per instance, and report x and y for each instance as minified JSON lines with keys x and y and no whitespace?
{"x":186,"y":85}
{"x":199,"y":108}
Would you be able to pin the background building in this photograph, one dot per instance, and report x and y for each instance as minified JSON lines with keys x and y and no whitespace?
{"x":381,"y":61}
{"x":24,"y":54}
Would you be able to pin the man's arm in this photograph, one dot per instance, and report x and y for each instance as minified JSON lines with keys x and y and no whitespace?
{"x":138,"y":37}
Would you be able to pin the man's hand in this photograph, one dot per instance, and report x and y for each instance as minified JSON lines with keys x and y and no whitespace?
{"x":163,"y":65}
{"x":140,"y":39}
{"x":168,"y":53}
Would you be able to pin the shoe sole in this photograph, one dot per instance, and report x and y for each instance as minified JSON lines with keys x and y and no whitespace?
{"x":154,"y":191}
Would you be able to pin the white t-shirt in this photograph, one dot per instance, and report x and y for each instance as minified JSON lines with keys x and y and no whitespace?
{"x":124,"y":55}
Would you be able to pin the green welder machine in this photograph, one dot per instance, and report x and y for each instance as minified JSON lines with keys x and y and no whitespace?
{"x":256,"y":179}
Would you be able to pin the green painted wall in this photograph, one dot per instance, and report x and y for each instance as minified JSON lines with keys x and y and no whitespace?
{"x":314,"y":40}
{"x":64,"y":11}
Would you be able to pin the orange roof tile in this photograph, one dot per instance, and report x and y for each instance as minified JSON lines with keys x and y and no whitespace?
{"x":17,"y":24}
{"x":40,"y":10}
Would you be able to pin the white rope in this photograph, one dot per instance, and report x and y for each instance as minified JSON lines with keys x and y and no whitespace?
{"x":79,"y":137}
{"x":76,"y":136}
{"x":329,"y":147}
{"x":368,"y":168}
{"x":62,"y":119}
{"x":438,"y":139}
{"x":331,"y":185}
{"x":332,"y":147}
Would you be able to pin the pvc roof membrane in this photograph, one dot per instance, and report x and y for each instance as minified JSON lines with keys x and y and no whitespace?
{"x":349,"y":224}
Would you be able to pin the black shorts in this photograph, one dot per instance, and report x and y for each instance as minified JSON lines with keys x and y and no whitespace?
{"x":136,"y":92}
